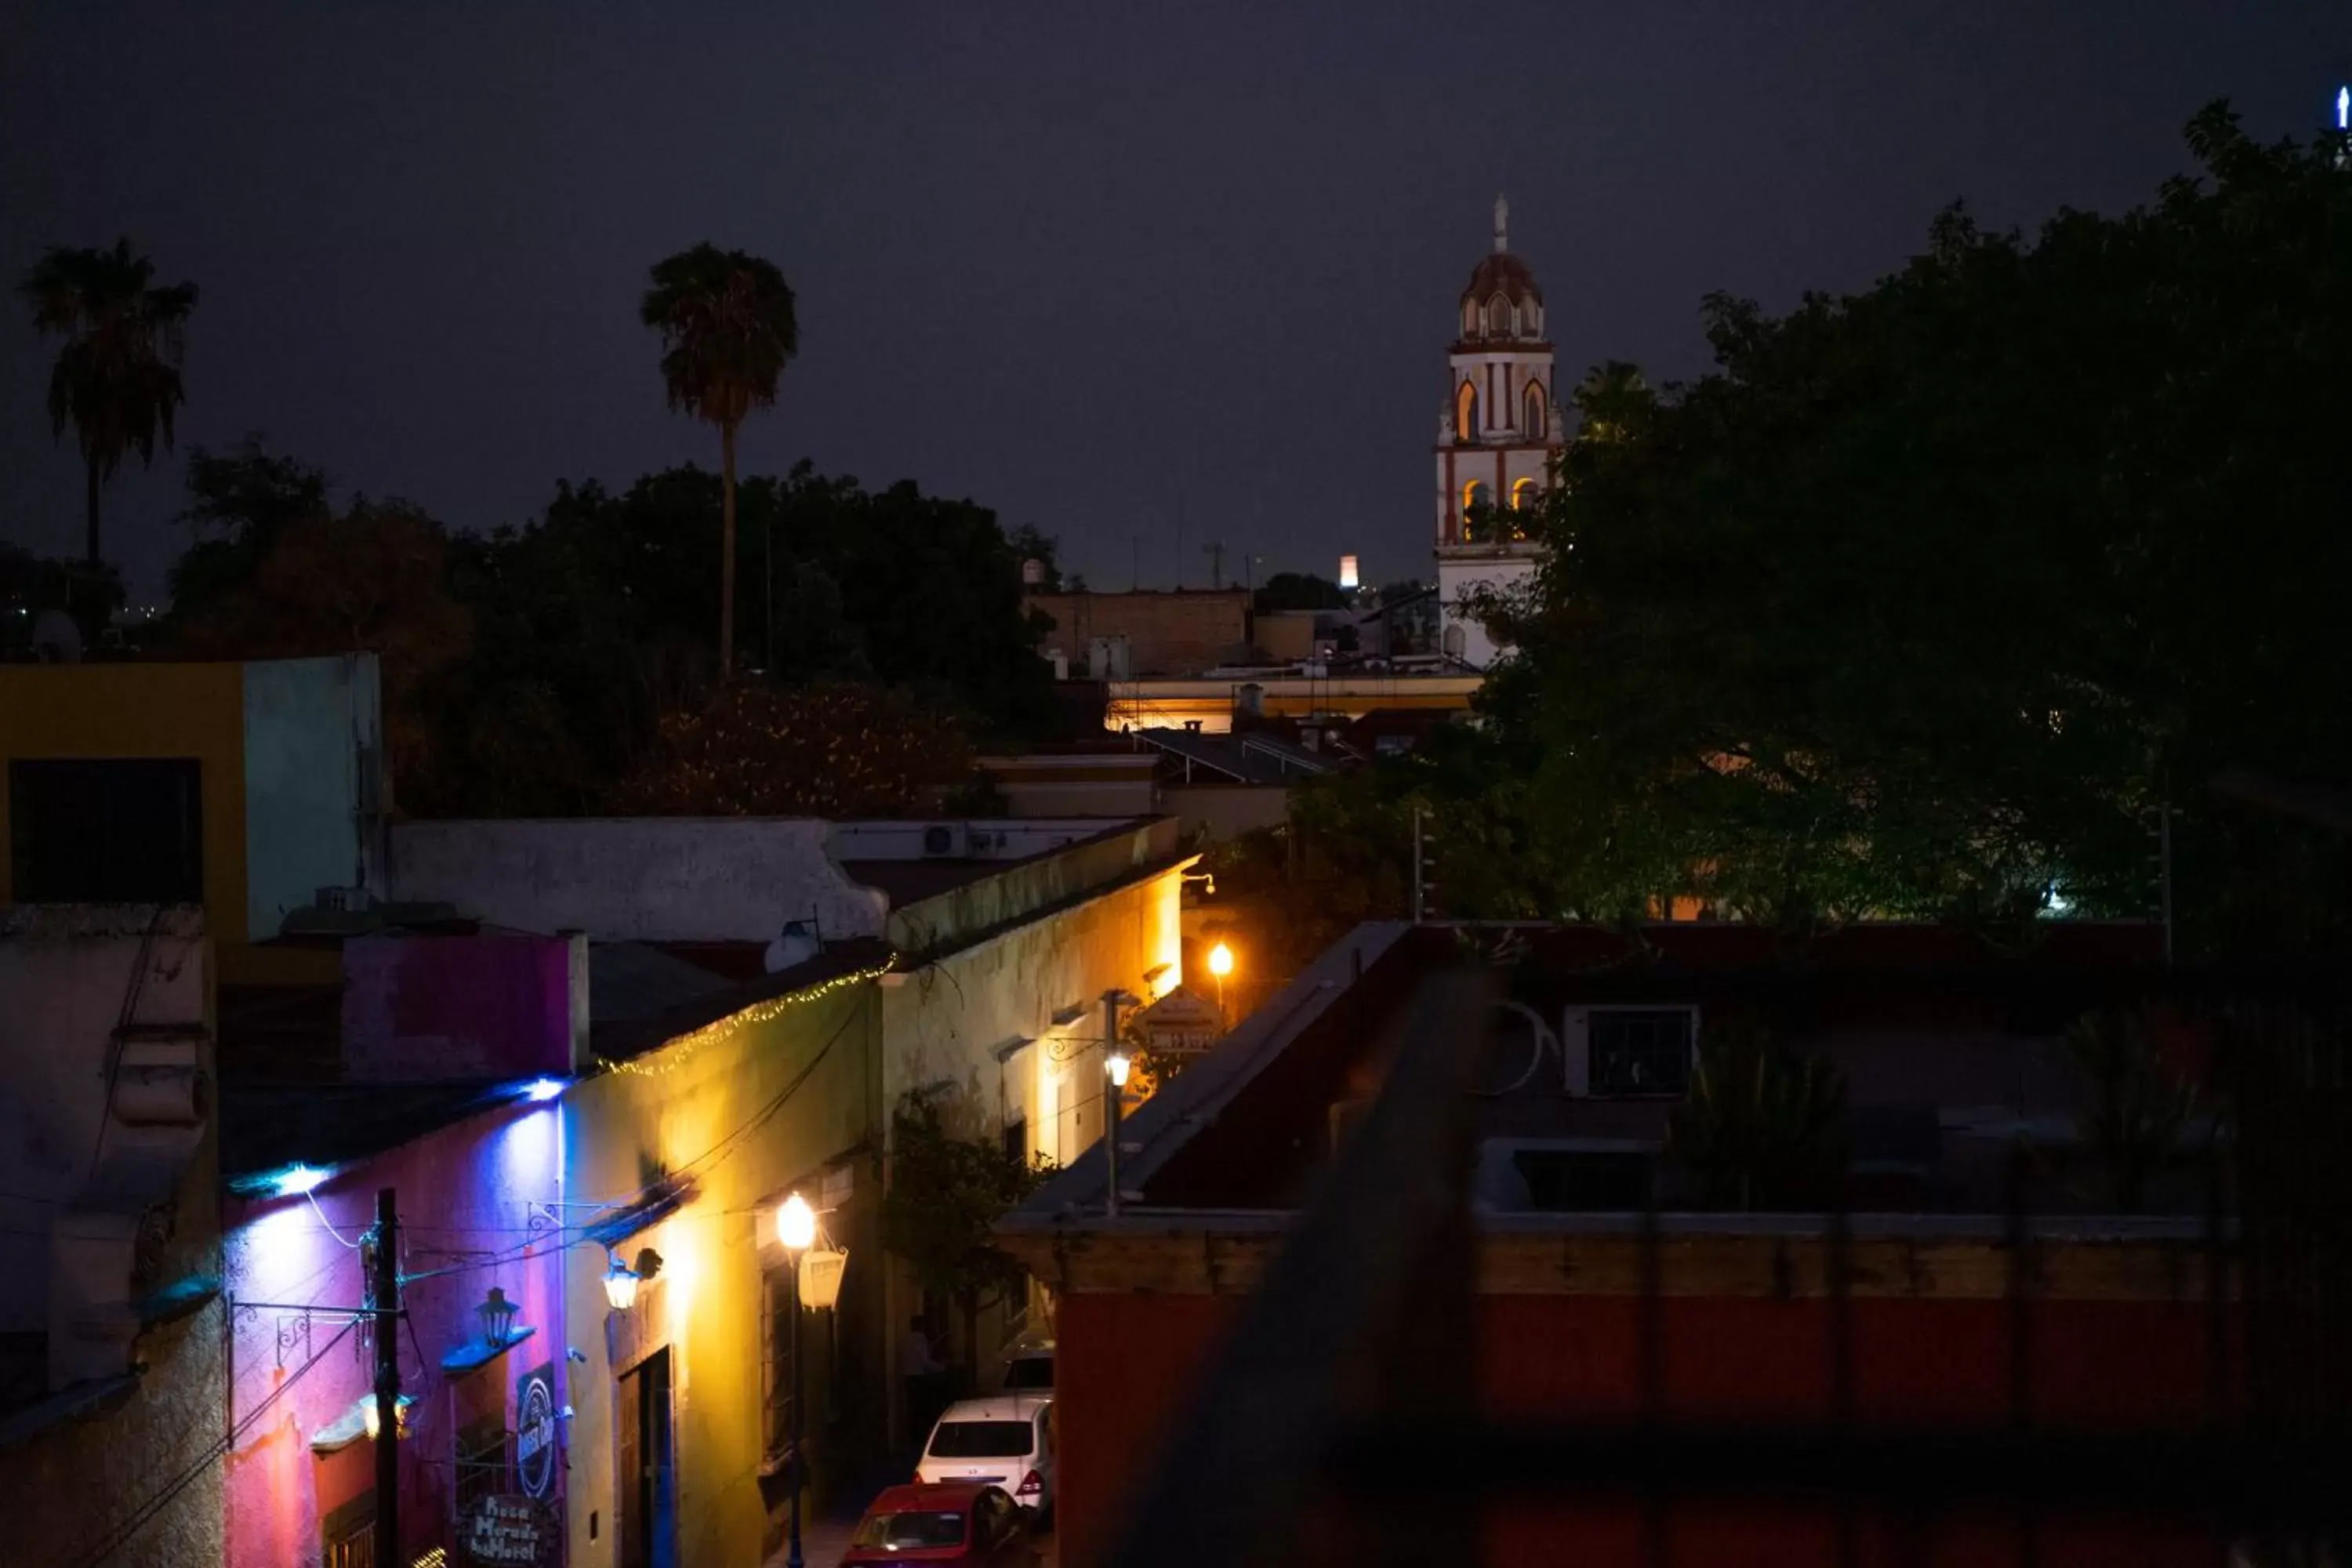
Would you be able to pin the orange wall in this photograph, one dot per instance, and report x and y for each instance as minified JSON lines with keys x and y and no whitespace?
{"x":1124,"y":1360}
{"x":93,"y":711}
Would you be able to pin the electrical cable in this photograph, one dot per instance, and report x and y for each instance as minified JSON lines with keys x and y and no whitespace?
{"x":123,"y":1534}
{"x":330,"y":1224}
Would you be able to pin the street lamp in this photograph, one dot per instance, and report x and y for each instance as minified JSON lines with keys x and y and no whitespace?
{"x":796,"y":1229}
{"x":1221,"y":964}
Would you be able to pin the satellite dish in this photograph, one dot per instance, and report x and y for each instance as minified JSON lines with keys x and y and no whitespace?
{"x":795,"y":946}
{"x":56,"y":638}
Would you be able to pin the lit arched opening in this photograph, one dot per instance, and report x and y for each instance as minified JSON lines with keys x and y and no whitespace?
{"x":1466,"y":413}
{"x":1537,"y":414}
{"x":1477,"y":500}
{"x":1523,"y":495}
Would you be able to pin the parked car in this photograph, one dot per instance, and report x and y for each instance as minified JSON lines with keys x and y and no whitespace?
{"x":965,"y":1525}
{"x":1030,"y":1369}
{"x":1005,"y":1440}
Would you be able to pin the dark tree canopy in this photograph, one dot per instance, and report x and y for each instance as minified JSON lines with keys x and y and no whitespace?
{"x":1929,"y":598}
{"x":588,"y":628}
{"x":1299,"y":590}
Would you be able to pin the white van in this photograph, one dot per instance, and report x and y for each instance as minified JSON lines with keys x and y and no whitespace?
{"x":1005,"y":1440}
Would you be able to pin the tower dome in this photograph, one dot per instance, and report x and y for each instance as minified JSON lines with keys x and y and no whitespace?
{"x":1502,"y":302}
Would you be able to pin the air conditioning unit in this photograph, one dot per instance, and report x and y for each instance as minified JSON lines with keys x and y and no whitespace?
{"x":945,"y":840}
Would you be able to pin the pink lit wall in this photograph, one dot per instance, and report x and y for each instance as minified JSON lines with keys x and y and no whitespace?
{"x":425,"y":1008}
{"x":474,"y":1200}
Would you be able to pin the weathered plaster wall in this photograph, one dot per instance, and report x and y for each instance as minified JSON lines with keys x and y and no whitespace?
{"x":749,"y":1109}
{"x":494,"y":1004}
{"x":1019,"y":890}
{"x":473,"y":1200}
{"x":67,"y":1168}
{"x":635,"y":879}
{"x":310,"y":727}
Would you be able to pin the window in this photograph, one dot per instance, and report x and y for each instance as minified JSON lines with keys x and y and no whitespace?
{"x":983,"y":1440}
{"x":114,"y":832}
{"x":1640,"y":1050}
{"x":481,"y":1460}
{"x":1498,"y":317}
{"x":1536,"y":421}
{"x":932,"y":1529}
{"x":348,"y":1535}
{"x":1466,"y":413}
{"x":776,"y":1358}
{"x":1523,"y":495}
{"x":1015,"y":1139}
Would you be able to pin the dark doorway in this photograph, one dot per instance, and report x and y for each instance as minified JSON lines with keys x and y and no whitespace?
{"x":647,"y":1500}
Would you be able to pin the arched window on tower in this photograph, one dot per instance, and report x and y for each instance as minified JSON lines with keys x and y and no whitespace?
{"x":1498,"y":317}
{"x":1534,"y":421}
{"x":1466,"y":413}
{"x":1477,"y":512}
{"x":1469,"y":318}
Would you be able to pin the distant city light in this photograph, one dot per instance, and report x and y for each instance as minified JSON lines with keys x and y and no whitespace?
{"x":1347,"y":578}
{"x":297,"y":1179}
{"x":543,"y":1088}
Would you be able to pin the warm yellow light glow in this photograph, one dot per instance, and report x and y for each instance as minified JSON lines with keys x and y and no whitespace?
{"x":796,"y":1223}
{"x":1118,"y":1064}
{"x":375,"y":1418}
{"x":1221,"y":961}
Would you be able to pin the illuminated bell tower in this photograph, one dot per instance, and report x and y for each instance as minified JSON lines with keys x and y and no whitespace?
{"x":1498,"y":434}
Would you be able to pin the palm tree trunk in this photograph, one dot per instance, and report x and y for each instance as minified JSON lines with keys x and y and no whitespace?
{"x":93,"y":511}
{"x":727,"y":555}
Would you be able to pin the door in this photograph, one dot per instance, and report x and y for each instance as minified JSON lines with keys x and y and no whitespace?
{"x":646,"y":1494}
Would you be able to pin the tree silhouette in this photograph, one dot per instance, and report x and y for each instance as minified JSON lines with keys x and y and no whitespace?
{"x":727,"y":330}
{"x":116,"y":376}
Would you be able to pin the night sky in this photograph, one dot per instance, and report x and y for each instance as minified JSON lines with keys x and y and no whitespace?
{"x":1155,"y":273}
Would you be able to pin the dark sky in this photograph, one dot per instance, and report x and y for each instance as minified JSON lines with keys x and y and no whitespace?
{"x":1114,"y":269}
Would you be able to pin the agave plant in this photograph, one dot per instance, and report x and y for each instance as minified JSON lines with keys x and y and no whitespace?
{"x":2137,"y":1108}
{"x":1762,"y":1128}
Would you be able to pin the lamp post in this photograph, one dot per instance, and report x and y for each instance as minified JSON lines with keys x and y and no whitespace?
{"x":1221,"y":964}
{"x":796,"y":1229}
{"x":1116,"y":1063}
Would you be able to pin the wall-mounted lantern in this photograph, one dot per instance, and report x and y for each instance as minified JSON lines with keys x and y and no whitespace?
{"x":497,"y":1315}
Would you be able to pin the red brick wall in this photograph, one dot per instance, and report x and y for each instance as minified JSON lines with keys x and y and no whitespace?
{"x":1125,"y":1361}
{"x":1178,"y":633}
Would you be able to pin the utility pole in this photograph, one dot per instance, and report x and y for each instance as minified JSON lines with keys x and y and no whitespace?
{"x":1418,"y":866}
{"x":2164,"y":873}
{"x":386,"y":1290}
{"x":1216,"y":555}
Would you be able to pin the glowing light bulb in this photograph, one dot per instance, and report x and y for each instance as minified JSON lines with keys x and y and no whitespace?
{"x":1221,"y":961}
{"x":796,"y":1223}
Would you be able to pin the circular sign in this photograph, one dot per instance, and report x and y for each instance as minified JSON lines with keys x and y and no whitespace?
{"x":535,"y":1434}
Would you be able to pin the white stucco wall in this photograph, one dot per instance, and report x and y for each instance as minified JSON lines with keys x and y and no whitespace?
{"x":637,"y":879}
{"x":1457,"y":578}
{"x":311,"y":725}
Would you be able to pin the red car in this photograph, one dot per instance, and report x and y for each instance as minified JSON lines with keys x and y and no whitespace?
{"x":958,"y":1522}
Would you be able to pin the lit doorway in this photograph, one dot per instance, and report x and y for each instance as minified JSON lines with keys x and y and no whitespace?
{"x":648,"y":1499}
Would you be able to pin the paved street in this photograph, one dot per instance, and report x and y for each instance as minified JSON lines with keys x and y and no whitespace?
{"x":823,"y":1541}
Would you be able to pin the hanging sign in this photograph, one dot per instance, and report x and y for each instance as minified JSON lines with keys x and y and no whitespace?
{"x":535,"y":1431}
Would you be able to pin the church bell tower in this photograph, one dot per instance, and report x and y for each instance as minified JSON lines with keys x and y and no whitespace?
{"x":1498,"y":433}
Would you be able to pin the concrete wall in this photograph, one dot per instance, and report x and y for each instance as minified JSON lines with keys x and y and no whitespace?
{"x":103,"y":1212}
{"x":1457,"y":580}
{"x":635,"y":879}
{"x":956,"y":916}
{"x":1167,"y":633}
{"x":472,"y":1198}
{"x":313,"y":728}
{"x":420,"y":1008}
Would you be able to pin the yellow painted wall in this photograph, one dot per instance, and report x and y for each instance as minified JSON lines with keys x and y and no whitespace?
{"x":669,"y":1112}
{"x":101,"y":711}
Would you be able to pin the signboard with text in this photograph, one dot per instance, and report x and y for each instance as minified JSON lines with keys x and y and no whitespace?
{"x":505,"y":1531}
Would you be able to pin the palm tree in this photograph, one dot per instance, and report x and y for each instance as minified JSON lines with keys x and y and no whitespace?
{"x":727,"y":331}
{"x":118,"y":375}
